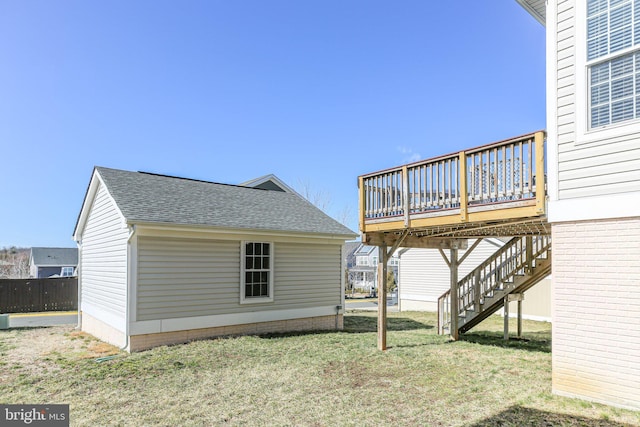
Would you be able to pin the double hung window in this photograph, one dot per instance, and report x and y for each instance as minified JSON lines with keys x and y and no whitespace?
{"x":257,"y":272}
{"x":613,"y":61}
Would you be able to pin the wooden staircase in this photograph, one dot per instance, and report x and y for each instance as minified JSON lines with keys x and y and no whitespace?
{"x":513,"y":269}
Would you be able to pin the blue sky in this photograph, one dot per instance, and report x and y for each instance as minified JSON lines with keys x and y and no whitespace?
{"x":316,"y":92}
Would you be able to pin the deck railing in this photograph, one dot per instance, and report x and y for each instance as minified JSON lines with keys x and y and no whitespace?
{"x":516,"y":257}
{"x":502,"y":172}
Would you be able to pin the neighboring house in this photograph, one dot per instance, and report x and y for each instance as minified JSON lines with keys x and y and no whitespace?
{"x":363,"y":273}
{"x":593,"y":143}
{"x":53,"y":262}
{"x":424,"y":276}
{"x":350,"y":262}
{"x":166,"y":260}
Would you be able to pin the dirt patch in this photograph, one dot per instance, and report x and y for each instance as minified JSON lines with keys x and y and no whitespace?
{"x":37,"y":351}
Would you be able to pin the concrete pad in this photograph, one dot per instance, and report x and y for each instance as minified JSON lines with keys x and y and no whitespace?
{"x":51,"y":318}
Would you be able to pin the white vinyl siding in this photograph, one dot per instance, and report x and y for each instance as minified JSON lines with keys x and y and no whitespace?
{"x":104,"y":262}
{"x":179,"y":278}
{"x":424,"y":275}
{"x":597,"y":163}
{"x":184,"y":278}
{"x":307,"y":275}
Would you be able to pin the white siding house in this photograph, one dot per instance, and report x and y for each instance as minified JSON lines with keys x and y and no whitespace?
{"x":593,"y":139}
{"x":53,"y":262}
{"x":424,"y":277}
{"x":166,"y":260}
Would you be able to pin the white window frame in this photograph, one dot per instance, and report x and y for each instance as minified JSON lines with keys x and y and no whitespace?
{"x":66,"y":275}
{"x":362,"y":261}
{"x":243,"y":270}
{"x":585,"y":134}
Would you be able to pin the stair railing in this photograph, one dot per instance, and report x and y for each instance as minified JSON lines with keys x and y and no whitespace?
{"x":516,"y":257}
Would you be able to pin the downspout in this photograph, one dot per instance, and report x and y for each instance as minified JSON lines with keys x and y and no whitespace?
{"x":343,"y":281}
{"x":132,"y":231}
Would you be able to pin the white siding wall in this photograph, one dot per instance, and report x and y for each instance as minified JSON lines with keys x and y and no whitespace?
{"x":604,"y":165}
{"x":179,"y":278}
{"x":424,"y":275}
{"x":596,"y":314}
{"x":308,"y":275}
{"x":183,"y":278}
{"x":104,"y":263}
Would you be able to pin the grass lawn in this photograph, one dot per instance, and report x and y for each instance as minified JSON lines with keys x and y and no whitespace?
{"x":320,"y":379}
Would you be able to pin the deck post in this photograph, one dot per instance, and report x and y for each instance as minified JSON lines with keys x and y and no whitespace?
{"x":476,"y":291}
{"x":519,"y":318}
{"x":361,"y":197}
{"x":453,"y":268}
{"x":529,"y":253}
{"x":382,"y":297}
{"x":462,"y":180}
{"x":406,"y":202}
{"x":541,"y":191}
{"x":506,"y":317}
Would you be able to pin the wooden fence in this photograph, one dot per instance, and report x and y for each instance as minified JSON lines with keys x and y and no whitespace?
{"x":34,"y":295}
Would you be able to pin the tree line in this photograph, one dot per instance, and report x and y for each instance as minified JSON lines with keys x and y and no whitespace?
{"x":14,"y":262}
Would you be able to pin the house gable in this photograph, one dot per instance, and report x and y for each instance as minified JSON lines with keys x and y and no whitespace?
{"x":103,"y":238}
{"x":95,"y":183}
{"x":269,"y":182}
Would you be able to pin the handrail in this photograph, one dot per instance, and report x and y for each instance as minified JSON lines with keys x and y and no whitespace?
{"x":504,"y":171}
{"x":516,"y":257}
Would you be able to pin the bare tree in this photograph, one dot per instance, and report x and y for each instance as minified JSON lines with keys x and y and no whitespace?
{"x":345,"y":216}
{"x":14,"y":263}
{"x":20,"y":268}
{"x":320,"y":198}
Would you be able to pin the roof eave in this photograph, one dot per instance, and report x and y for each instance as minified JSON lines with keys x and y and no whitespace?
{"x":164,"y":226}
{"x":87,"y":204}
{"x":529,"y":7}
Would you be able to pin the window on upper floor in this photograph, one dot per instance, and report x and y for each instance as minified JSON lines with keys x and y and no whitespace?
{"x":66,"y":272}
{"x":362,"y":261}
{"x":613,"y":61}
{"x":374,"y":259}
{"x":257,"y":272}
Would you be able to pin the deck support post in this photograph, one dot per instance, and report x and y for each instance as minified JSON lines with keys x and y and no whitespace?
{"x":382,"y":298}
{"x":453,"y":268}
{"x":519,"y":318}
{"x":529,"y":253}
{"x":383,"y":260}
{"x":541,"y":185}
{"x":506,"y":318}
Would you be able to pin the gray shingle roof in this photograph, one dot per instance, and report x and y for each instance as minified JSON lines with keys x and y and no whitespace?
{"x":55,"y":256}
{"x":150,"y":198}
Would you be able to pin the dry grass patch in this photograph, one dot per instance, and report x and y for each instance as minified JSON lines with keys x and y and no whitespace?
{"x":336,"y":378}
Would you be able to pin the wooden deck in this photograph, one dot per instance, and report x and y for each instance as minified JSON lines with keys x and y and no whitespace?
{"x":495,"y":190}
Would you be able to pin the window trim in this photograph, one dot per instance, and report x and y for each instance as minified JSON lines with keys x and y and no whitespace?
{"x":255,"y":300}
{"x":583,"y":133}
{"x":68,"y":275}
{"x":362,"y":261}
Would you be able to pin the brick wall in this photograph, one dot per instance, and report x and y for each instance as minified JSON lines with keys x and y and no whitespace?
{"x":596,"y":313}
{"x":147,"y":341}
